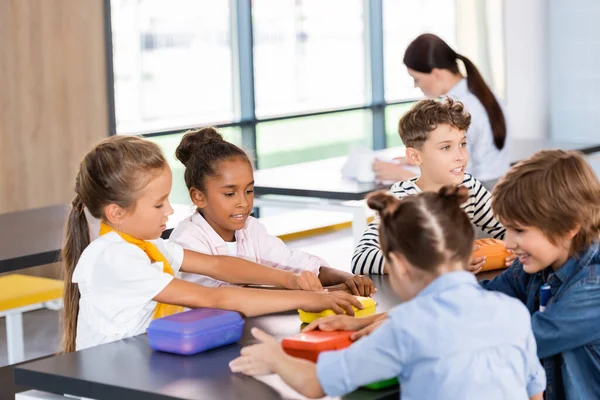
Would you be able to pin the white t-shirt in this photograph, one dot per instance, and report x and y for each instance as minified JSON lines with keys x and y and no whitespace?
{"x":117,"y":282}
{"x":486,"y":162}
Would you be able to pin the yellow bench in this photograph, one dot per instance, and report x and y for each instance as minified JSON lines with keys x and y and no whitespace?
{"x":22,"y":293}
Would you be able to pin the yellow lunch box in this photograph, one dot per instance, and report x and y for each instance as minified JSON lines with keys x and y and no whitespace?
{"x":367,"y":302}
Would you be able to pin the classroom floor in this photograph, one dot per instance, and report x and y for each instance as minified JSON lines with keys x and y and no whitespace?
{"x":41,"y":327}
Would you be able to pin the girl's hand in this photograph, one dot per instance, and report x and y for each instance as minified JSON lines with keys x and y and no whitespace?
{"x":510,"y":259}
{"x":367,"y":330}
{"x":337,"y":323}
{"x":476,"y":263}
{"x":258,"y":359}
{"x":305,"y":280}
{"x":339,"y":302}
{"x":360,"y":285}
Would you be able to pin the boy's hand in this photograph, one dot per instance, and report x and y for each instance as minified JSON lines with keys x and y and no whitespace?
{"x":476,"y":263}
{"x":305,"y":280}
{"x":258,"y":359}
{"x":360,"y":285}
{"x":510,"y":259}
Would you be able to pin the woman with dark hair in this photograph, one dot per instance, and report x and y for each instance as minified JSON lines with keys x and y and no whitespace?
{"x":434,"y":67}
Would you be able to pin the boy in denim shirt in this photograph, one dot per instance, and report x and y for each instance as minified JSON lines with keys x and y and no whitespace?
{"x":550,"y":206}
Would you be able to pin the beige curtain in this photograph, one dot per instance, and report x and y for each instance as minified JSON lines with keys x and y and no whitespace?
{"x":480,"y":37}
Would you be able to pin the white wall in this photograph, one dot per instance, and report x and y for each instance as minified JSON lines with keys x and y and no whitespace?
{"x":574,"y":70}
{"x":527,"y":75}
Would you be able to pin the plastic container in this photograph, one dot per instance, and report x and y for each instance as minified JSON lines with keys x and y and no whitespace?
{"x":369,"y":309}
{"x":495,"y":252}
{"x":382,"y":384}
{"x":195,"y":331}
{"x":308,"y":345}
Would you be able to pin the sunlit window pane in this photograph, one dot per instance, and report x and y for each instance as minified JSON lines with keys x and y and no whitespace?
{"x":172,"y":64}
{"x":403,"y":21}
{"x":393,"y":114}
{"x":308,"y":55}
{"x":312,"y":138}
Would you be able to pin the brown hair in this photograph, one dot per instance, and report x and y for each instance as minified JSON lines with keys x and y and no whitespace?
{"x":428,"y":51}
{"x":200,"y":151}
{"x":427,"y":115}
{"x":428,"y":228}
{"x":112,"y":173}
{"x":554,"y":191}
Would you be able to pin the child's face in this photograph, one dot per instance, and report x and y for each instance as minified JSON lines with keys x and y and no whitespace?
{"x":229,"y":197}
{"x":148,"y":218}
{"x":430,"y":84}
{"x":444,"y":156}
{"x":535,"y":251}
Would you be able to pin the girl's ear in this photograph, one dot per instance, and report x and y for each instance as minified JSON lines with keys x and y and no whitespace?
{"x":114,"y":214}
{"x":198,"y":198}
{"x":398,"y":265}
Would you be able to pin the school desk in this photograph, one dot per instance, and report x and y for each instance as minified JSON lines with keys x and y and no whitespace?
{"x":129,"y":369}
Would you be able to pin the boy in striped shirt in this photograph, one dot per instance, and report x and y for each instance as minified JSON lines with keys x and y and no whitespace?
{"x":434,"y":135}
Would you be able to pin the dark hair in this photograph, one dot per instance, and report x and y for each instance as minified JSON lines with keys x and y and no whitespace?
{"x":200,"y":151}
{"x":428,"y":229}
{"x":554,"y":191}
{"x":112,"y":173}
{"x":426,"y":115}
{"x":428,"y":51}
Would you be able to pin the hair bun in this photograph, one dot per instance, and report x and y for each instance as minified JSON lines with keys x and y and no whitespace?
{"x":458,"y":194}
{"x":382,"y":202}
{"x":195,"y":139}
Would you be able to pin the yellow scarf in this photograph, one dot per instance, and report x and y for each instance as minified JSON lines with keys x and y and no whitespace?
{"x":161,"y":310}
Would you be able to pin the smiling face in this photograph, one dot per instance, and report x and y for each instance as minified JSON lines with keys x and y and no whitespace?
{"x":443,"y":157}
{"x":228,"y":197}
{"x":536,"y":251}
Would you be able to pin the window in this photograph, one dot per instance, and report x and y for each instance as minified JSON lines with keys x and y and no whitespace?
{"x":393,"y":114}
{"x":297,"y":140}
{"x":172,"y":64}
{"x":177,"y":65}
{"x":403,"y":21}
{"x":309,"y":55}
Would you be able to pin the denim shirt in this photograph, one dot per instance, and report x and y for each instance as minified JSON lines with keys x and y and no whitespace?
{"x":568,"y":331}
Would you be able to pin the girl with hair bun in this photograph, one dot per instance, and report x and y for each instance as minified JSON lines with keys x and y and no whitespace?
{"x":220,"y":180}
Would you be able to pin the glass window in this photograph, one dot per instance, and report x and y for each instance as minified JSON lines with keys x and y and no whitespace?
{"x":308,"y":55}
{"x":393,"y":114}
{"x":403,"y":21}
{"x":172,"y":64}
{"x":169,"y":143}
{"x":312,"y":138}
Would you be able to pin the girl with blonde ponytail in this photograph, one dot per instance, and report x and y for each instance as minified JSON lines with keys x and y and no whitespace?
{"x":116,"y":284}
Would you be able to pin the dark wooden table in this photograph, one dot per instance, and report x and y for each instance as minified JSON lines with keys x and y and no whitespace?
{"x":129,"y":369}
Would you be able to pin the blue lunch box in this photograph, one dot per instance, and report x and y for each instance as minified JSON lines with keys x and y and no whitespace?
{"x":194,"y":331}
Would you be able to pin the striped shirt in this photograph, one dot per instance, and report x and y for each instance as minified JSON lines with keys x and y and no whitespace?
{"x":368,"y":258}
